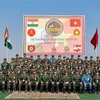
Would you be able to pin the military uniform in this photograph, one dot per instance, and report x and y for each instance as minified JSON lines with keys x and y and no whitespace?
{"x":96,"y":82}
{"x":2,"y":80}
{"x":34,"y":81}
{"x":55,"y":82}
{"x":12,"y":64}
{"x":71,"y":60}
{"x":44,"y":81}
{"x":12,"y":79}
{"x":77,"y":81}
{"x":66,"y":82}
{"x":23,"y":79}
{"x":5,"y":67}
{"x":24,"y":59}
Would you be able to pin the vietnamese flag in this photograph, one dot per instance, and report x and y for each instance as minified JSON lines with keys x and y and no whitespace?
{"x":94,"y":40}
{"x":75,"y":22}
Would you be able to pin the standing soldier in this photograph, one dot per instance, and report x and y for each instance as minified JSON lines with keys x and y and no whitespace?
{"x":44,"y":81}
{"x":20,"y":62}
{"x":77,"y":82}
{"x":79,"y":60}
{"x":58,"y":60}
{"x":66,"y":82}
{"x":46,"y":60}
{"x":97,"y":60}
{"x":96,"y":82}
{"x":17,"y":58}
{"x":91,"y":60}
{"x":55,"y":82}
{"x":32,"y":60}
{"x":26,"y":68}
{"x":23,"y":80}
{"x":5,"y":67}
{"x":34,"y":81}
{"x":12,"y":80}
{"x":64,"y":60}
{"x":72,"y":59}
{"x":24,"y":58}
{"x":2,"y":80}
{"x":86,"y":62}
{"x":12,"y":64}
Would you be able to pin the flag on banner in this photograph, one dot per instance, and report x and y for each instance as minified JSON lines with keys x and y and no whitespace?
{"x":32,"y":23}
{"x":75,"y":22}
{"x":94,"y":40}
{"x":7,"y":40}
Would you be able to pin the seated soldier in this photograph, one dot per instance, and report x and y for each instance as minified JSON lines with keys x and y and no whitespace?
{"x":77,"y":82}
{"x":12,"y":79}
{"x":23,"y":80}
{"x":87,"y":81}
{"x":55,"y":82}
{"x":34,"y":81}
{"x":96,"y":82}
{"x":66,"y":82}
{"x":44,"y":81}
{"x":2,"y":80}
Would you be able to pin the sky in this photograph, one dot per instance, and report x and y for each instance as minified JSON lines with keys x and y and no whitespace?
{"x":12,"y":11}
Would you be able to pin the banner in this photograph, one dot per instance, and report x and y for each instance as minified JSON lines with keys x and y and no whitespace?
{"x":54,"y":34}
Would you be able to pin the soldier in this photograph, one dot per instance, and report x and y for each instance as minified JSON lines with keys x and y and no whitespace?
{"x":46,"y":60}
{"x":29,"y":64}
{"x":91,"y":59}
{"x":32,"y":60}
{"x":96,"y":82}
{"x":97,"y":60}
{"x":95,"y":70}
{"x":20,"y":62}
{"x":66,"y":82}
{"x":23,"y":80}
{"x":44,"y":81}
{"x":75,"y":65}
{"x":52,"y":60}
{"x":34,"y":81}
{"x":24,"y":58}
{"x":59,"y":60}
{"x":55,"y":82}
{"x":5,"y":67}
{"x":12,"y":64}
{"x":12,"y":80}
{"x":87,"y":81}
{"x":2,"y":80}
{"x":86,"y":62}
{"x":79,"y":60}
{"x":77,"y":82}
{"x":38,"y":61}
{"x":72,"y":59}
{"x":64,"y":60}
{"x":17,"y":58}
{"x":26,"y":68}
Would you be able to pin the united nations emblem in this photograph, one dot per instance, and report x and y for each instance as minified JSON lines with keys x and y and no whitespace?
{"x":54,"y":27}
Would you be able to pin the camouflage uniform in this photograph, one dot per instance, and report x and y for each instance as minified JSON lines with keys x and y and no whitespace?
{"x":34,"y":81}
{"x":2,"y":80}
{"x":96,"y":82}
{"x":12,"y":64}
{"x":5,"y":67}
{"x":66,"y":82}
{"x":44,"y":81}
{"x":12,"y":79}
{"x":77,"y":81}
{"x":23,"y":79}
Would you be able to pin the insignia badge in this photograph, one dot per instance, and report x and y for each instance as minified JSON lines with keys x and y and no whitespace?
{"x":76,"y":32}
{"x":54,"y":27}
{"x":31,"y":48}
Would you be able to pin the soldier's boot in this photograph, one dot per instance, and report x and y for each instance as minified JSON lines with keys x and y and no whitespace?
{"x":63,"y":89}
{"x":3,"y":87}
{"x":41,"y":87}
{"x":26,"y":87}
{"x":90,"y":91}
{"x":30,"y":88}
{"x":69,"y":88}
{"x":57,"y":88}
{"x":81,"y":89}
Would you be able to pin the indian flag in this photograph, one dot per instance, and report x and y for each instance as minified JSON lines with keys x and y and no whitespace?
{"x":32,"y":23}
{"x":7,"y":40}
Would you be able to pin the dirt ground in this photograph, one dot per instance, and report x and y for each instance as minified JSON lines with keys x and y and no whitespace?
{"x":30,"y":95}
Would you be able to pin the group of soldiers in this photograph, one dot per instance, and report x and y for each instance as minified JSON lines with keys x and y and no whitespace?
{"x":54,"y":74}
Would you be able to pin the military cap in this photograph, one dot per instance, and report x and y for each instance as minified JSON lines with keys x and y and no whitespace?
{"x":86,"y":57}
{"x":67,"y":58}
{"x":5,"y":58}
{"x":64,"y":57}
{"x":38,"y":55}
{"x":45,"y":55}
{"x":97,"y":56}
{"x":59,"y":56}
{"x":24,"y":53}
{"x":20,"y":57}
{"x":17,"y":54}
{"x":31,"y":56}
{"x":52,"y":55}
{"x":12,"y":58}
{"x":72,"y":55}
{"x":78,"y":55}
{"x":91,"y":56}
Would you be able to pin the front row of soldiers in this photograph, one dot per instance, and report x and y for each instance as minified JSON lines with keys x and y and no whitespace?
{"x":68,"y":82}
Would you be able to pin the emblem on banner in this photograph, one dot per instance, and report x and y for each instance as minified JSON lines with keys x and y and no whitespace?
{"x":31,"y":48}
